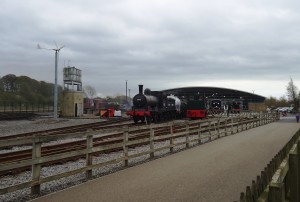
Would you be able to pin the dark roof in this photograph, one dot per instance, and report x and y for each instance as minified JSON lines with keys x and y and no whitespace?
{"x":216,"y":93}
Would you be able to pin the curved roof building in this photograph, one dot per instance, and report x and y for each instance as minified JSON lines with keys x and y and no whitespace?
{"x":216,"y":93}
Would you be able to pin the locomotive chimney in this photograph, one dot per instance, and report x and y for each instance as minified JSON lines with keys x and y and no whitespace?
{"x":140,"y":89}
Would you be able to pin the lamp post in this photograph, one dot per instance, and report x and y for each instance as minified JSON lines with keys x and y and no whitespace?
{"x":126,"y":91}
{"x":129,"y":97}
{"x":55,"y":81}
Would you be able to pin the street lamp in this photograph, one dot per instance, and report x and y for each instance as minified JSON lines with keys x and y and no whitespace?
{"x":55,"y":86}
{"x":126,"y":91}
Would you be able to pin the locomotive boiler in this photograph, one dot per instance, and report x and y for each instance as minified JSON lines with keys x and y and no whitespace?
{"x":144,"y":100}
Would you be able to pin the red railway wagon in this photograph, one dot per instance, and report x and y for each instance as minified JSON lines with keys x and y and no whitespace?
{"x":196,"y":109}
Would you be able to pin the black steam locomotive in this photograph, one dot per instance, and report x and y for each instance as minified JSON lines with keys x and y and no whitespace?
{"x":154,"y":106}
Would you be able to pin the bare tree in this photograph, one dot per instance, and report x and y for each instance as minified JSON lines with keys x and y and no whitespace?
{"x":89,"y":91}
{"x":292,"y":93}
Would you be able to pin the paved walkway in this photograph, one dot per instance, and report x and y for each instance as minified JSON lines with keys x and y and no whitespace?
{"x":216,"y":172}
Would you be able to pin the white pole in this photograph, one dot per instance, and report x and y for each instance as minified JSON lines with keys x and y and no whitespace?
{"x":55,"y":86}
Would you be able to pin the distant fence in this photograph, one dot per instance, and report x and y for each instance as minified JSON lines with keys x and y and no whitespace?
{"x":180,"y":133}
{"x":6,"y":106}
{"x":280,"y":180}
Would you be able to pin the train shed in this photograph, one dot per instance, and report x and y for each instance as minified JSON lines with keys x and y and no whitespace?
{"x":216,"y":93}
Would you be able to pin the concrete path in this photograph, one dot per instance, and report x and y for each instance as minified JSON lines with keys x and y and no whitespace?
{"x":217,"y":171}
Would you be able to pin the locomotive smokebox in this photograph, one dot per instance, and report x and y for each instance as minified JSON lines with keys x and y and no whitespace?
{"x":140,"y":89}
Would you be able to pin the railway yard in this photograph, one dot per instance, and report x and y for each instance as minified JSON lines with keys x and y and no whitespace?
{"x":108,"y":134}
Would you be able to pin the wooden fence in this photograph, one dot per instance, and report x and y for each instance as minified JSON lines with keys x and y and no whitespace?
{"x":6,"y":106}
{"x":179,"y":133}
{"x":280,"y":180}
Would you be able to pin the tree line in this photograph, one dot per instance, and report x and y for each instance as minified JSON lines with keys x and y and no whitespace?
{"x":292,"y":98}
{"x":25,"y":89}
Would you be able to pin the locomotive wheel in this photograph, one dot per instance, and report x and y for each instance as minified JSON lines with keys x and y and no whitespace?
{"x":135,"y":119}
{"x":159,"y":118}
{"x":148,"y":120}
{"x":155,"y":118}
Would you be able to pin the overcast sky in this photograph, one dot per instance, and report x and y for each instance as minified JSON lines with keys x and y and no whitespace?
{"x":248,"y":45}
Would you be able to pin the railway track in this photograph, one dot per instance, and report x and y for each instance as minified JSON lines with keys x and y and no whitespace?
{"x":59,"y":148}
{"x":68,"y":129}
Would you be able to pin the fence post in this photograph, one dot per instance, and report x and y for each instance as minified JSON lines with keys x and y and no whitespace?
{"x":89,"y":155}
{"x":298,"y":171}
{"x":231,"y":125}
{"x":242,"y":123}
{"x":293,"y":184}
{"x":254,"y":190}
{"x":248,"y":194}
{"x":125,"y":145}
{"x":242,"y":197}
{"x":219,"y":128}
{"x":199,"y":133}
{"x":238,"y":124}
{"x":209,"y":131}
{"x":171,"y":138}
{"x":225,"y":127}
{"x":265,"y":118}
{"x":36,"y":168}
{"x":276,"y":192}
{"x":187,"y":126}
{"x":260,"y":188}
{"x":151,"y":142}
{"x":259,"y":124}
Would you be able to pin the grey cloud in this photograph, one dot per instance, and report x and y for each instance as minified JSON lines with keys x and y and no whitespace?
{"x":158,"y":43}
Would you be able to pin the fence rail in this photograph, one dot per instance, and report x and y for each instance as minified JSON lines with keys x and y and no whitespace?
{"x":6,"y":106}
{"x":190,"y":133}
